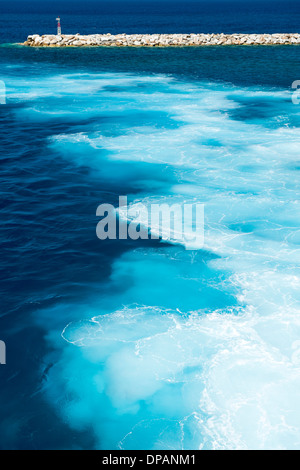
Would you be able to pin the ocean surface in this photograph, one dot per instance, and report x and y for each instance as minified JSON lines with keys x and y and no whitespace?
{"x":144,"y":344}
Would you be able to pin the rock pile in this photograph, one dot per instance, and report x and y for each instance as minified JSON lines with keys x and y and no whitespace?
{"x":162,"y":40}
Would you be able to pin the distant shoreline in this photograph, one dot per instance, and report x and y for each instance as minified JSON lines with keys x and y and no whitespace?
{"x":162,"y":40}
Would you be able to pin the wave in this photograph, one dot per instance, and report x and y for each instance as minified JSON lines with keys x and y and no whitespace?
{"x":208,"y":355}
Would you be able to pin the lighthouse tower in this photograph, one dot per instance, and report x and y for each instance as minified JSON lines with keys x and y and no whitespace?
{"x":58,"y":27}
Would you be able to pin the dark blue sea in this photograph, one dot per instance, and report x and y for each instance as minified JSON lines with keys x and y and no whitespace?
{"x":124,"y":344}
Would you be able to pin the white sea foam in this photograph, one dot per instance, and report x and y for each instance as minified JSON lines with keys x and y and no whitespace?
{"x":218,"y":369}
{"x":209,"y":355}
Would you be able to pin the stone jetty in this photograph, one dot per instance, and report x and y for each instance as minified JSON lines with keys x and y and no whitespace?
{"x":162,"y":40}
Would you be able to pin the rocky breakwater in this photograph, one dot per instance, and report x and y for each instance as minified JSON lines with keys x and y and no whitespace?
{"x":162,"y":40}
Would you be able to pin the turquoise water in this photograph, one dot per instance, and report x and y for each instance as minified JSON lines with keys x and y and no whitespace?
{"x":146,"y":345}
{"x":204,"y":353}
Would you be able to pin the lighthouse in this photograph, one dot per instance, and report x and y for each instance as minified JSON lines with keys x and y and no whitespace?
{"x":58,"y":27}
